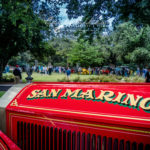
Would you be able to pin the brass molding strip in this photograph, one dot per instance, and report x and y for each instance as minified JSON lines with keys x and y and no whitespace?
{"x":85,"y":113}
{"x":77,"y":123}
{"x":2,"y":146}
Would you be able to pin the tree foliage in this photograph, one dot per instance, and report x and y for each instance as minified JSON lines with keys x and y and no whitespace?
{"x":126,"y":44}
{"x":137,"y":11}
{"x":85,"y":54}
{"x":62,"y":47}
{"x":96,"y":13}
{"x":21,"y":30}
{"x":29,"y":25}
{"x":140,"y":56}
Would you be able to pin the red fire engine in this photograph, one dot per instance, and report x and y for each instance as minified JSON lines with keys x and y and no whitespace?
{"x":79,"y":116}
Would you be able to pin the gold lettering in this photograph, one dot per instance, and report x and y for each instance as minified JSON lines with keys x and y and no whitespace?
{"x":54,"y":93}
{"x":130,"y":98}
{"x":41,"y":94}
{"x":87,"y":95}
{"x":44,"y":93}
{"x":105,"y":95}
{"x":33,"y":94}
{"x":119,"y":97}
{"x":71,"y":93}
{"x":144,"y":102}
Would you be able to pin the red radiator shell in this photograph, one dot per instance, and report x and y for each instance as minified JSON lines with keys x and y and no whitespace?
{"x":94,"y":116}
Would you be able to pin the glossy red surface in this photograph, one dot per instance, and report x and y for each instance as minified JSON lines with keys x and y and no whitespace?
{"x":88,"y":115}
{"x":6,"y":143}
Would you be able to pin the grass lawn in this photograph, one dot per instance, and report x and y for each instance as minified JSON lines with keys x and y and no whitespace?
{"x":2,"y":93}
{"x":54,"y":77}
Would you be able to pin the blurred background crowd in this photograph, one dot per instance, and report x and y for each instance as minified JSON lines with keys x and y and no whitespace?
{"x":48,"y":70}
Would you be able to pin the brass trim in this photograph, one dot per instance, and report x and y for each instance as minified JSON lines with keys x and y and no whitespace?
{"x":1,"y":145}
{"x":79,"y":123}
{"x":14,"y":103}
{"x":85,"y":113}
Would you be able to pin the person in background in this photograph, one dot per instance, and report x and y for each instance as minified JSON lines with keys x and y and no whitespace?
{"x":90,"y":70}
{"x":7,"y":69}
{"x":126,"y":72}
{"x":79,"y":70}
{"x":39,"y":69}
{"x":17,"y":74}
{"x":144,"y":72}
{"x":147,"y":75}
{"x":138,"y":71}
{"x":68,"y":72}
{"x":59,"y":69}
{"x":44,"y":70}
{"x":49,"y":69}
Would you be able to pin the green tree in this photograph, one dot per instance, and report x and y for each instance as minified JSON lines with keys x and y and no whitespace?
{"x":137,"y":11}
{"x":140,"y":56}
{"x":96,"y":13}
{"x":62,"y":47}
{"x":21,"y":30}
{"x":106,"y":47}
{"x":127,"y":42}
{"x":125,"y":38}
{"x":21,"y":59}
{"x":85,"y":54}
{"x":124,"y":43}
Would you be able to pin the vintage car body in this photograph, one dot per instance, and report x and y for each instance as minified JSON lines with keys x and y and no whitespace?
{"x":6,"y":143}
{"x":85,"y":71}
{"x":105,"y":70}
{"x":79,"y":116}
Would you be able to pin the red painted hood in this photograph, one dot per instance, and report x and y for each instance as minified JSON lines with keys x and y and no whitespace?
{"x":99,"y":102}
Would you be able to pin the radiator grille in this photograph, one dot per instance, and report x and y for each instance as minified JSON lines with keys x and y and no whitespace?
{"x":37,"y":137}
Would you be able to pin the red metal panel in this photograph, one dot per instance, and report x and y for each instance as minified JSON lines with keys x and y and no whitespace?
{"x":94,"y":108}
{"x":6,"y":143}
